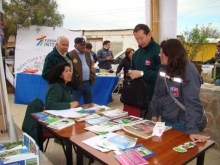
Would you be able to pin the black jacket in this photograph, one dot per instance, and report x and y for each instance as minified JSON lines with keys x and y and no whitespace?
{"x":125,"y":64}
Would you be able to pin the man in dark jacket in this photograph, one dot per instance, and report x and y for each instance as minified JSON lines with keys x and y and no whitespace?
{"x":105,"y":56}
{"x":57,"y":55}
{"x":146,"y":60}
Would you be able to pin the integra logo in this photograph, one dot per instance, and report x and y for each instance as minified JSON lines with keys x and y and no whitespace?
{"x":43,"y":41}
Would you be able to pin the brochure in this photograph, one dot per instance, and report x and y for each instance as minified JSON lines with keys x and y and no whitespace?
{"x":128,"y":119}
{"x":131,"y":158}
{"x":41,"y":115}
{"x":62,"y":123}
{"x":97,"y":120}
{"x":104,"y":127}
{"x":140,"y":149}
{"x":22,"y":154}
{"x":49,"y":119}
{"x":116,"y":113}
{"x":122,"y":141}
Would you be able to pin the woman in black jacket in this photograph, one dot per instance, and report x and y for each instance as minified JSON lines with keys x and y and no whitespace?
{"x":126,"y":62}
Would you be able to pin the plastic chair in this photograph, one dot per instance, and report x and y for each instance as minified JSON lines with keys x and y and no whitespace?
{"x":119,"y":85}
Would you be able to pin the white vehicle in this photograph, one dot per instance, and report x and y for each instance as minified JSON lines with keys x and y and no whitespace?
{"x":117,"y":59}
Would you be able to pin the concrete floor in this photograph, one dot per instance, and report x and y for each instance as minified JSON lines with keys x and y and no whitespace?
{"x":55,"y":152}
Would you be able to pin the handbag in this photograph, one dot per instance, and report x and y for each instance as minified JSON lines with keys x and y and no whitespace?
{"x":204,"y":117}
{"x":135,"y":93}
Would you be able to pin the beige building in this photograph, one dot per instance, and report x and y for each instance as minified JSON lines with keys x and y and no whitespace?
{"x":120,"y":39}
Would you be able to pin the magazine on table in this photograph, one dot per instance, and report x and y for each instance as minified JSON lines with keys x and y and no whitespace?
{"x":131,"y":158}
{"x":143,"y":129}
{"x":98,"y":120}
{"x":62,"y":123}
{"x":122,"y":141}
{"x":115,"y":113}
{"x":104,"y":127}
{"x":128,"y":119}
{"x":140,"y":149}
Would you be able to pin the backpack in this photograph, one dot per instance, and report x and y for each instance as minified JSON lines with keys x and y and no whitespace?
{"x":135,"y":93}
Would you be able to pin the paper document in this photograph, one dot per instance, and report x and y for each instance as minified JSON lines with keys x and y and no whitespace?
{"x":71,"y":113}
{"x":92,"y":142}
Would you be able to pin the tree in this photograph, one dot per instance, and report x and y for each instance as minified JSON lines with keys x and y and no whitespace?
{"x":194,"y":40}
{"x":24,"y":13}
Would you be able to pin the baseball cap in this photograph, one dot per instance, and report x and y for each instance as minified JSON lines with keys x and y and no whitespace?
{"x":80,"y":40}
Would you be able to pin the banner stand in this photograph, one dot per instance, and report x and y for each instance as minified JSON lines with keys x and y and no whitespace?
{"x":4,"y":99}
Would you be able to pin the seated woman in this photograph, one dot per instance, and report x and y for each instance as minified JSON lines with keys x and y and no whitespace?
{"x":183,"y":83}
{"x":126,"y":62}
{"x":58,"y":95}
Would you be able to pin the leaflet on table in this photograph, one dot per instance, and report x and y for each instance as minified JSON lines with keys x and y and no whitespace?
{"x":62,"y":123}
{"x":142,"y":129}
{"x":128,"y":119}
{"x":22,"y":154}
{"x":140,"y":149}
{"x":104,"y":127}
{"x":93,"y":142}
{"x":116,"y":113}
{"x":98,"y":120}
{"x":159,"y":128}
{"x":131,"y":158}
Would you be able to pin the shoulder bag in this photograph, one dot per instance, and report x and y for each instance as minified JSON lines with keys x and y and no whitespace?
{"x":135,"y":93}
{"x":204,"y":117}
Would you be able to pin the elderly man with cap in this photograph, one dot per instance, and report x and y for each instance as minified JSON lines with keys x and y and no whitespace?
{"x":85,"y":73}
{"x":57,"y":55}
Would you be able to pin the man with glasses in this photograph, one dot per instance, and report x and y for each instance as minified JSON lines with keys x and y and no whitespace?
{"x":145,"y":62}
{"x":85,"y":73}
{"x":105,"y":56}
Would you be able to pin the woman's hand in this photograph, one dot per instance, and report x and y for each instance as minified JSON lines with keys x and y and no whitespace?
{"x":74,"y":104}
{"x":198,"y":137}
{"x":154,"y":119}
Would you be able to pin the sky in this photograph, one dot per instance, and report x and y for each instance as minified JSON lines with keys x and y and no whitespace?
{"x":125,"y":14}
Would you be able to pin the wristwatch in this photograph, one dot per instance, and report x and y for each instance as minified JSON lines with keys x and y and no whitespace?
{"x":142,"y":73}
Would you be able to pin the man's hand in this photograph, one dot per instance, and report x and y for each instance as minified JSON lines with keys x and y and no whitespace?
{"x":74,"y":104}
{"x":134,"y":74}
{"x":109,"y":58}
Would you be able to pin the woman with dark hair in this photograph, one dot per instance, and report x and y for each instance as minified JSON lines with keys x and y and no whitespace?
{"x":58,"y":95}
{"x":126,"y":62}
{"x":183,"y":83}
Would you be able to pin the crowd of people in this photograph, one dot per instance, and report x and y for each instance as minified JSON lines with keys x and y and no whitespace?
{"x":164,"y":68}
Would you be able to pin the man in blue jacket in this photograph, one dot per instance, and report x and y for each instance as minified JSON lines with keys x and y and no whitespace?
{"x":145,"y":61}
{"x":105,"y":56}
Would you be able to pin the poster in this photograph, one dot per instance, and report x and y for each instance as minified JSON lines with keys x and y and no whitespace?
{"x":33,"y":45}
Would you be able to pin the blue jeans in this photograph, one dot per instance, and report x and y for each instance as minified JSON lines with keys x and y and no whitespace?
{"x":84,"y":91}
{"x":181,"y":126}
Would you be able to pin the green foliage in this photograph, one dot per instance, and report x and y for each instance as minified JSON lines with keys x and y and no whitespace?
{"x":194,"y":39}
{"x":24,"y":13}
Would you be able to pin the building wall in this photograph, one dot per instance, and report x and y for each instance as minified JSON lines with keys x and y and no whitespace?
{"x":120,"y":39}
